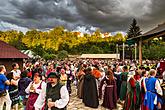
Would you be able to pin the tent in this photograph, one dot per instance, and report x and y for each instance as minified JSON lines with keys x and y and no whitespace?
{"x":30,"y":53}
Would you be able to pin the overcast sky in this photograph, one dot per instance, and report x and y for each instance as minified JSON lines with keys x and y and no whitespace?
{"x":83,"y":15}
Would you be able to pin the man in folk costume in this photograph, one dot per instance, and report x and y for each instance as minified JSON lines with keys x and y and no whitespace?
{"x":153,"y":90}
{"x":132,"y":101}
{"x":56,"y":96}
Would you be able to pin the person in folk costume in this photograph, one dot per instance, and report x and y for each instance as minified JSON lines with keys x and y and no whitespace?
{"x":13,"y":90}
{"x":69,"y":78}
{"x":143,"y":88}
{"x":56,"y":96}
{"x":34,"y":89}
{"x":118,"y":80}
{"x":90,"y":93}
{"x":110,"y":93}
{"x":97,"y":75}
{"x":63,"y":77}
{"x":80,"y":77}
{"x":123,"y":89}
{"x":50,"y":69}
{"x":163,"y":89}
{"x":22,"y":85}
{"x":36,"y":69}
{"x":132,"y":101}
{"x":153,"y":92}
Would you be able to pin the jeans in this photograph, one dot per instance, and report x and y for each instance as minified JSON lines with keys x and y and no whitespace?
{"x":5,"y":99}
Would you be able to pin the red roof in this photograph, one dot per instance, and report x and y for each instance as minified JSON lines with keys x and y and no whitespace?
{"x":8,"y":51}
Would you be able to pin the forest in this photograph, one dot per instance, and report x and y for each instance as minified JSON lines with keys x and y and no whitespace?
{"x":58,"y":42}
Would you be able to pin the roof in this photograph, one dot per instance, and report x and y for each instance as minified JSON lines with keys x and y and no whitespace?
{"x":8,"y":51}
{"x":101,"y":56}
{"x":153,"y":32}
{"x":158,"y":29}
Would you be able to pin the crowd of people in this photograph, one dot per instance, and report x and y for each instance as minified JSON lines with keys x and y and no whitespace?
{"x":47,"y":85}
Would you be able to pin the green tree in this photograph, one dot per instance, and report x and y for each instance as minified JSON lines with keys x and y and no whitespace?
{"x":95,"y":50}
{"x":39,"y":50}
{"x":134,"y":30}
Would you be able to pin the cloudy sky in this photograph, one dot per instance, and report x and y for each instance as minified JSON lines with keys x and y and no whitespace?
{"x":83,"y":15}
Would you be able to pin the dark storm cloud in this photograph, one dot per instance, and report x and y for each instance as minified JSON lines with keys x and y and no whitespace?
{"x":117,"y":14}
{"x":108,"y":15}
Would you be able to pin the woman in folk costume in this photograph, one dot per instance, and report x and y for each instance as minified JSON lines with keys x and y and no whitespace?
{"x":123,"y":89}
{"x":153,"y":90}
{"x":110,"y":93}
{"x":80,"y":77}
{"x":34,"y":90}
{"x":63,"y":77}
{"x":69,"y":78}
{"x":118,"y":80}
{"x":97,"y":74}
{"x":90,"y":93}
{"x":132,"y":101}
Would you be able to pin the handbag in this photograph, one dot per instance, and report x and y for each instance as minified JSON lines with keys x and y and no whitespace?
{"x":3,"y":93}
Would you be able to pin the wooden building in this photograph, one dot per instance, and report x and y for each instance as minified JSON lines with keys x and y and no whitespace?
{"x":10,"y":55}
{"x":158,"y":31}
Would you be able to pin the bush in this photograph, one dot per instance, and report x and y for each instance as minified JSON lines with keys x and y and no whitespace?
{"x":62,"y":54}
{"x":49,"y":56}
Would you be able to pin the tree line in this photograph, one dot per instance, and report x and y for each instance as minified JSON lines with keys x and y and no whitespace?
{"x":58,"y":42}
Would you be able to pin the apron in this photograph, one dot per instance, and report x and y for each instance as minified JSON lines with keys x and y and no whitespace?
{"x":32,"y":99}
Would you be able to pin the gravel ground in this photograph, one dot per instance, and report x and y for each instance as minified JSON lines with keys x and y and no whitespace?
{"x":76,"y":103}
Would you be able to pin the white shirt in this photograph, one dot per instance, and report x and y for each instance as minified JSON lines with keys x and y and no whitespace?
{"x":16,"y":73}
{"x":158,"y":88}
{"x":60,"y":103}
{"x":38,"y":91}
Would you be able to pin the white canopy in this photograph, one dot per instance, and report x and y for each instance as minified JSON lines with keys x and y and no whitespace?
{"x":30,"y":53}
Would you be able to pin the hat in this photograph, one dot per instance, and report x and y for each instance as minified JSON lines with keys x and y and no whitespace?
{"x":53,"y":75}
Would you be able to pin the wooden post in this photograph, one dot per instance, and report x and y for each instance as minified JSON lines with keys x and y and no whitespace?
{"x":135,"y":51}
{"x":140,"y":51}
{"x":117,"y":51}
{"x":123,"y":51}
